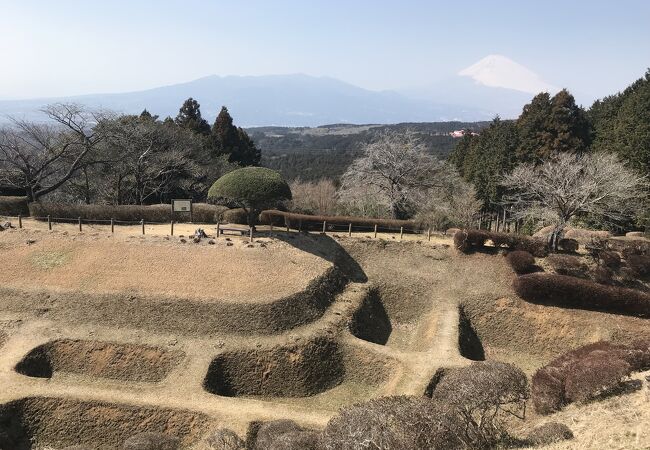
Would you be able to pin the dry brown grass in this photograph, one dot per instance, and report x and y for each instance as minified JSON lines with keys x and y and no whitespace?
{"x":152,"y":265}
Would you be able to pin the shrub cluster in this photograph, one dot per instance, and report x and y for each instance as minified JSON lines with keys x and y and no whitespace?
{"x":13,"y":206}
{"x":468,"y":409}
{"x":306,"y":221}
{"x":280,"y":435}
{"x":629,"y":247}
{"x":466,"y":240}
{"x":566,"y":291}
{"x":224,"y":439}
{"x":236,"y":216}
{"x":640,"y":264}
{"x":568,"y":265}
{"x":549,"y":433}
{"x":201,"y":213}
{"x":586,"y":372}
{"x":521,"y":262}
{"x":609,"y":259}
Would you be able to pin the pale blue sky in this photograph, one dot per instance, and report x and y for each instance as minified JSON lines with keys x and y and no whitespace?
{"x":51,"y":48}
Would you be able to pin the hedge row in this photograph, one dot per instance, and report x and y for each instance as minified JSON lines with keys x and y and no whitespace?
{"x":466,"y":240}
{"x":521,"y":262}
{"x":13,"y":206}
{"x":202,"y":212}
{"x":586,"y":372}
{"x":306,"y":221}
{"x":571,"y":292}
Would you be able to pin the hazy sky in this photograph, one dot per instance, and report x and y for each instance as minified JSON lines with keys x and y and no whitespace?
{"x":52,"y":48}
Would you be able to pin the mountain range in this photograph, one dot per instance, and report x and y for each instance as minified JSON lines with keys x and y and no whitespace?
{"x":494,"y":85}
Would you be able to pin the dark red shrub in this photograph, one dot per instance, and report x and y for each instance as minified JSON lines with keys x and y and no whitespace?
{"x":521,"y":261}
{"x":640,"y":264}
{"x":603,"y":275}
{"x":549,"y":433}
{"x":568,"y":245}
{"x":568,"y":265}
{"x":562,"y":290}
{"x":586,"y":372}
{"x":595,"y":374}
{"x":609,"y":259}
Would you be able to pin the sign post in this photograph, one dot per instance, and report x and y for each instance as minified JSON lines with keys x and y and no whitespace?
{"x":183,"y":206}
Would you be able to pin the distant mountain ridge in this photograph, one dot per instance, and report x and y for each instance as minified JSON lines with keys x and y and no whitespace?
{"x":282,"y":100}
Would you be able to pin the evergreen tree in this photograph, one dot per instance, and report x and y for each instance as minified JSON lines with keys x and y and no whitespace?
{"x":622,"y":125}
{"x":189,"y":116}
{"x":548,"y":125}
{"x":227,"y":139}
{"x":461,"y":150}
{"x":533,"y":126}
{"x":569,"y":126}
{"x":146,"y":115}
{"x":487,"y":157}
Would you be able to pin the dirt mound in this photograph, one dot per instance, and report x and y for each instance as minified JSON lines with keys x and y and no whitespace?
{"x":295,"y":370}
{"x":38,"y":422}
{"x":128,"y":362}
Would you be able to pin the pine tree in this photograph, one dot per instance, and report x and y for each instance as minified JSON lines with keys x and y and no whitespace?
{"x":227,"y":139}
{"x":189,"y":116}
{"x":533,"y":126}
{"x":622,"y":125}
{"x":461,"y":150}
{"x":569,"y":126}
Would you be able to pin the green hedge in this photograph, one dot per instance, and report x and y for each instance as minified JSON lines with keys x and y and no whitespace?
{"x":202,"y":212}
{"x":13,"y":206}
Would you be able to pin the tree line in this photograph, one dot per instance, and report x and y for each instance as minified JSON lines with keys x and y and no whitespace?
{"x":548,"y":126}
{"x":100,"y":157}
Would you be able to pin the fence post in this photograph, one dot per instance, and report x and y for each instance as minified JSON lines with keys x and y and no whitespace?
{"x":49,"y":222}
{"x":324,"y":226}
{"x":287,"y":227}
{"x":112,"y":225}
{"x":172,"y":228}
{"x":20,"y":221}
{"x":375,"y":231}
{"x":80,"y":225}
{"x":142,"y":222}
{"x":271,"y":227}
{"x":299,"y":226}
{"x":218,"y":229}
{"x":428,"y":234}
{"x":251,"y":234}
{"x":350,"y":231}
{"x":401,"y":232}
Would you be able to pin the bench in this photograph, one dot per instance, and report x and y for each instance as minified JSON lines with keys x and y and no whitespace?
{"x":241,"y":231}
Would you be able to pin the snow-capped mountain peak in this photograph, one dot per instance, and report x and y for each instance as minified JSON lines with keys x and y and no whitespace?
{"x":501,"y":71}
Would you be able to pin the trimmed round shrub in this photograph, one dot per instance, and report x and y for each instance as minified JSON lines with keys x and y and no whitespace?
{"x":224,"y":439}
{"x":235,"y":216}
{"x":568,"y":265}
{"x":609,"y":259}
{"x":603,"y":275}
{"x":13,"y":206}
{"x":640,"y":264}
{"x":268,"y":432}
{"x":521,"y":261}
{"x":296,"y":440}
{"x":568,"y":245}
{"x":565,"y":291}
{"x":400,"y":422}
{"x":549,"y":433}
{"x":481,"y":398}
{"x":151,"y":441}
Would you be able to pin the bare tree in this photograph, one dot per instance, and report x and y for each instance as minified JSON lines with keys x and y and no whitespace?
{"x":147,"y":159}
{"x":453,"y":205}
{"x":41,"y":157}
{"x":398,"y":168}
{"x":314,"y":197}
{"x":568,"y":185}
